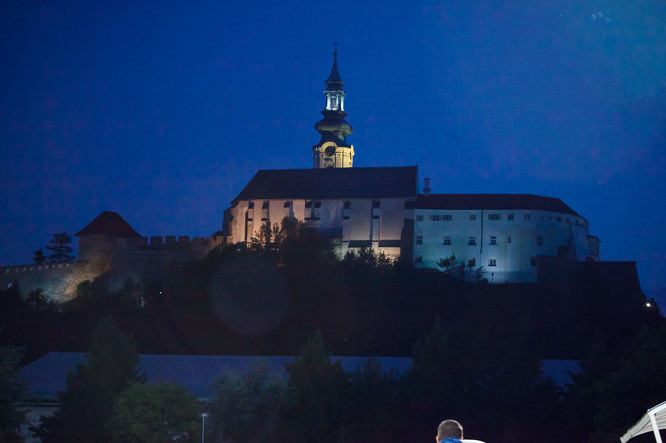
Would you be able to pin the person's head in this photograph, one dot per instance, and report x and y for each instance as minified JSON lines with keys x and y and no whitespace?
{"x":449,"y":429}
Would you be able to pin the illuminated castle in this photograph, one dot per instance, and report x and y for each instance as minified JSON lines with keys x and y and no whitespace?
{"x":381,"y":208}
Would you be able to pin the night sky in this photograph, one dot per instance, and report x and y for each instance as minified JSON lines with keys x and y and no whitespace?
{"x":163,"y":111}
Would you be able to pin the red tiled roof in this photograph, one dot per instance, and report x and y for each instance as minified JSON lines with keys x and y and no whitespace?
{"x":109,"y":223}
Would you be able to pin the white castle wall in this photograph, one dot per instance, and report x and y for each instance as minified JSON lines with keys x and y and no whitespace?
{"x":353,"y":223}
{"x":507,"y":243}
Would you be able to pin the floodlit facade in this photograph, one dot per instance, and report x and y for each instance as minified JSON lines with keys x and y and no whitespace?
{"x":508,"y":235}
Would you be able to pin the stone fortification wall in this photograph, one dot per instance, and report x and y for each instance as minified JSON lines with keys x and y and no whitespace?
{"x":140,"y":260}
{"x":57,"y":280}
{"x":150,"y":258}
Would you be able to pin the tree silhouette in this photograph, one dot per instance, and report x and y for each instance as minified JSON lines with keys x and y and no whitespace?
{"x":39,"y":256}
{"x":155,"y":413}
{"x":62,"y":252}
{"x":91,"y":390}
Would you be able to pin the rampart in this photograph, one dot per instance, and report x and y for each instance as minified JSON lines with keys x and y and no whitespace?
{"x":140,"y":260}
{"x":57,"y":280}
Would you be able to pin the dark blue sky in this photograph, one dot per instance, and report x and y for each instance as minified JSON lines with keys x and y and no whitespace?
{"x":164,"y":110}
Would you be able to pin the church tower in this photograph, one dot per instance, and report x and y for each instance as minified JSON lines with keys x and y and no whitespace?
{"x":332,"y":151}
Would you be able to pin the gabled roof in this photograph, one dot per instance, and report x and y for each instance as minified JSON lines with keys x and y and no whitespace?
{"x":109,"y":223}
{"x":331,"y":183}
{"x":493,"y":202}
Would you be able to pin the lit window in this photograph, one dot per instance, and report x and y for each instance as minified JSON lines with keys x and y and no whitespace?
{"x":419,"y":218}
{"x":472,"y":241}
{"x":494,"y":216}
{"x":419,"y":239}
{"x":492,"y":262}
{"x":472,"y":217}
{"x":539,"y":240}
{"x":447,"y":240}
{"x":527,"y":217}
{"x":493,"y":240}
{"x":509,"y":217}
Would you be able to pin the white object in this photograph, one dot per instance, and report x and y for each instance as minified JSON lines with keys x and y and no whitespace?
{"x":653,"y":420}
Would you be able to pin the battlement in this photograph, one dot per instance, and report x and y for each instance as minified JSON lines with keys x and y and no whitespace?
{"x":177,"y":242}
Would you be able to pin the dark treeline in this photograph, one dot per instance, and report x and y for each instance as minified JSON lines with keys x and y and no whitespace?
{"x":476,"y":347}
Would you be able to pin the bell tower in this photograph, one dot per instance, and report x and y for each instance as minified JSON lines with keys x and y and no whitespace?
{"x":332,"y":151}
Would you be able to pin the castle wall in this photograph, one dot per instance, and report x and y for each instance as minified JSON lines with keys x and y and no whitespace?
{"x":57,"y":280}
{"x":351,"y":223}
{"x":507,"y":243}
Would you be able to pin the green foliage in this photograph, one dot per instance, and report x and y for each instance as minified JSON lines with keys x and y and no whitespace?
{"x":12,"y":392}
{"x":155,"y":413}
{"x":367,"y":258}
{"x":91,"y":390}
{"x":246,"y":407}
{"x":317,"y":396}
{"x":60,"y":249}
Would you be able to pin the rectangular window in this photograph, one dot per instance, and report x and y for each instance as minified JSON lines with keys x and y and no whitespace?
{"x":539,"y":240}
{"x":472,"y":217}
{"x":265,"y":205}
{"x":375,"y":217}
{"x":493,"y":240}
{"x":287,"y":204}
{"x":347,"y":205}
{"x":559,"y":219}
{"x":308,"y":204}
{"x":508,"y":240}
{"x":447,"y":217}
{"x":345,"y":217}
{"x":317,"y":205}
{"x":471,"y":262}
{"x":419,"y":239}
{"x":447,"y":240}
{"x":376,"y":204}
{"x":509,"y":217}
{"x":410,"y":204}
{"x":419,"y":218}
{"x":527,"y":217}
{"x":250,"y":205}
{"x":492,"y":262}
{"x":434,"y":218}
{"x":472,"y":241}
{"x":533,"y":261}
{"x":567,"y":220}
{"x":494,"y":216}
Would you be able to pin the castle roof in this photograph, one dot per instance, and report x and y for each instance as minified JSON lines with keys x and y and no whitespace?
{"x":493,"y":202}
{"x":331,"y":183}
{"x":109,"y":223}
